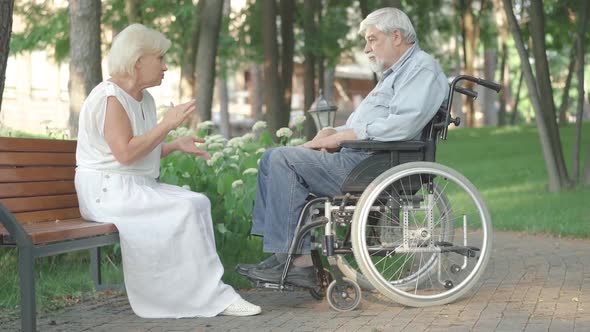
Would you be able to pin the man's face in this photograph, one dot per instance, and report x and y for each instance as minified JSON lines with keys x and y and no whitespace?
{"x":381,"y":48}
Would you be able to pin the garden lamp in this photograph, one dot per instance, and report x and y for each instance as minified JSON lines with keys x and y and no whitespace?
{"x":322,"y":112}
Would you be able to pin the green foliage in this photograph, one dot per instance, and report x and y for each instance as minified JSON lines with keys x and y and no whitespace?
{"x":46,"y":27}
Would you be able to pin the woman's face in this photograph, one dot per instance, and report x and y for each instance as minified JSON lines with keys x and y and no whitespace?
{"x":150,"y":69}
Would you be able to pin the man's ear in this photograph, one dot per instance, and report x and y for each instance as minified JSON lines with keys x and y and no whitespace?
{"x":398,"y":38}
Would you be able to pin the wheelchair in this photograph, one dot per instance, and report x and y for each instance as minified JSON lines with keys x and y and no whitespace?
{"x":414,"y":230}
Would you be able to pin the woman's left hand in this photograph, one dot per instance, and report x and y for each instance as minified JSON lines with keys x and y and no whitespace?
{"x":187,"y":144}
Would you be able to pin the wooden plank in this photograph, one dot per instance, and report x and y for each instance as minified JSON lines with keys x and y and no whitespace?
{"x":43,"y":188}
{"x":37,"y":159}
{"x":47,"y":215}
{"x":45,"y":232}
{"x":28,"y":204}
{"x":28,"y":174}
{"x":36,"y":145}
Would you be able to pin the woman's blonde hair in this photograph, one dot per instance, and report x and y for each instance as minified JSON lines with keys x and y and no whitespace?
{"x":130,"y":44}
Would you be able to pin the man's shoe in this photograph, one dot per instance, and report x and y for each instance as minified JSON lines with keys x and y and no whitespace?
{"x":298,"y":276}
{"x":270,"y":262}
{"x":241,"y":307}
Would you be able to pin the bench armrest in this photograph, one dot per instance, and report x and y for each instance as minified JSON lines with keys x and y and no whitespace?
{"x":371,"y":145}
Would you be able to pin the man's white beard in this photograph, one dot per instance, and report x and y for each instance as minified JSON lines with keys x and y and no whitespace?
{"x":377,"y":65}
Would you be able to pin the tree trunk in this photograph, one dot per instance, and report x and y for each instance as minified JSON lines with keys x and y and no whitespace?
{"x":189,"y":57}
{"x":582,"y":24}
{"x":273,"y":86}
{"x":565,"y":99}
{"x":516,"y":100}
{"x":488,"y":96}
{"x":470,"y":37}
{"x":85,"y":56}
{"x":503,"y":34}
{"x":328,"y":89}
{"x":255,"y":90}
{"x":586,"y":175}
{"x":552,"y":157}
{"x":132,"y":11}
{"x":222,"y":90}
{"x":206,"y":56}
{"x":6,"y":8}
{"x":309,"y":94}
{"x":288,"y":46}
{"x":537,"y":24}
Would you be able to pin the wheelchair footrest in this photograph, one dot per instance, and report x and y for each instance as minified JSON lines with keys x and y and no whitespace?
{"x":467,"y":251}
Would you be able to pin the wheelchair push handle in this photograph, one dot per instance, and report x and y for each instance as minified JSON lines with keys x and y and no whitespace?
{"x":489,"y":84}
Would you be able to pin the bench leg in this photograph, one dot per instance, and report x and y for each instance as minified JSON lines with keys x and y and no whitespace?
{"x":27,"y":289}
{"x":95,"y":270}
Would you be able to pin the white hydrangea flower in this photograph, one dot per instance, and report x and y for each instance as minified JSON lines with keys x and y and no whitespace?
{"x":250,"y":171}
{"x":215,"y":146}
{"x":236,"y":142}
{"x":298,"y":120}
{"x":296,"y":141}
{"x":259,"y":125}
{"x":249,"y":137}
{"x":237,"y":183}
{"x":205,"y":125}
{"x":261,"y":151}
{"x":215,"y":138}
{"x":228,"y":151}
{"x":235,"y":166}
{"x":284,"y":132}
{"x":210,"y":162}
{"x":186,"y":175}
{"x":234,"y":157}
{"x":186,"y":186}
{"x":258,"y":162}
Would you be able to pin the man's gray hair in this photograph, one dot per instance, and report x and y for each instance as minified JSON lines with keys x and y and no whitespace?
{"x":388,"y":20}
{"x":130,"y":44}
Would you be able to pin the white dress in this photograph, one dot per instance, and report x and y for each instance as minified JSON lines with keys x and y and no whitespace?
{"x":170,"y":263}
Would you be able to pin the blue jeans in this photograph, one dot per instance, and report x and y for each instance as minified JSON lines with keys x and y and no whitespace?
{"x":286,"y":176}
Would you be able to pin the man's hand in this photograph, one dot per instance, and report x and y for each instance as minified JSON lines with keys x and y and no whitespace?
{"x":330,"y":140}
{"x":187,"y":144}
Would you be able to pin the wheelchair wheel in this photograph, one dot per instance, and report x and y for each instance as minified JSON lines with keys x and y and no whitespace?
{"x":433,"y":239}
{"x":388,"y":228}
{"x":344,"y":296}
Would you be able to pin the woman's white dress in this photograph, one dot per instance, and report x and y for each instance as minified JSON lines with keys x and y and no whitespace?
{"x":170,"y":263}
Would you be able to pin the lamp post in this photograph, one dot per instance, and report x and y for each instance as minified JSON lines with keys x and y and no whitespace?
{"x":322,"y":112}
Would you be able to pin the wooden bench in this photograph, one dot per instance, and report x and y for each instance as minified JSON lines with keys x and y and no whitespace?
{"x":39,"y":212}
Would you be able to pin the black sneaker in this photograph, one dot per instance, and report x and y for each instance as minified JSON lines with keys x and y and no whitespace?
{"x":270,"y":262}
{"x":298,"y":276}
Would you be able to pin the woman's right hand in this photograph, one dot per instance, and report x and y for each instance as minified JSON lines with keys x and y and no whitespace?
{"x":177,"y":114}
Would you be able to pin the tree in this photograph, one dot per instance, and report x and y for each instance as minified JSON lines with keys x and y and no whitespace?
{"x":540,"y":91}
{"x":6,"y":7}
{"x":275,"y":81}
{"x":582,"y":26}
{"x":85,"y":55}
{"x":206,"y":54}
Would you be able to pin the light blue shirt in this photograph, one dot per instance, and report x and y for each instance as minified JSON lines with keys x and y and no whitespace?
{"x":404,"y":100}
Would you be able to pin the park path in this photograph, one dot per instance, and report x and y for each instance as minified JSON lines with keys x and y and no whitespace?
{"x":533,"y":283}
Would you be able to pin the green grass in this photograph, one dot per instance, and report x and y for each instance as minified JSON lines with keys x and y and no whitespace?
{"x":507,"y":167}
{"x":505,"y":164}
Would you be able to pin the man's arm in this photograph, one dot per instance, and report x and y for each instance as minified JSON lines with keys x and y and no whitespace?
{"x":331,"y":142}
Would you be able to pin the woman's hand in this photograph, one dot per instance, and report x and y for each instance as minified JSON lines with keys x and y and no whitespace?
{"x":187,"y":144}
{"x":177,"y":114}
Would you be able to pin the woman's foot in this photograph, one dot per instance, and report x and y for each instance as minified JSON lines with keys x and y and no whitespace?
{"x":241,"y":307}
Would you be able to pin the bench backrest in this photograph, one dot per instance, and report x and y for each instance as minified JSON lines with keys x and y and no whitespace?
{"x":37,"y":179}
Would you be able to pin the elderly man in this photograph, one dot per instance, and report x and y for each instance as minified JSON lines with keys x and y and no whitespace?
{"x":411,"y":89}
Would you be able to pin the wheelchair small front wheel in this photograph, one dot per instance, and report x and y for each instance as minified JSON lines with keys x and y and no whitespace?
{"x":434,"y":237}
{"x":343,"y":296}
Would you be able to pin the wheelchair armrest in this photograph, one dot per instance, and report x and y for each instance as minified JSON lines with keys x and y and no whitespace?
{"x":371,"y":145}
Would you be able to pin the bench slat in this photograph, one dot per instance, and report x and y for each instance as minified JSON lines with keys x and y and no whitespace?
{"x":36,"y":145}
{"x":47,"y":215}
{"x":37,"y":159}
{"x":43,"y":188}
{"x":27,"y":174}
{"x":28,"y":204}
{"x":45,"y":232}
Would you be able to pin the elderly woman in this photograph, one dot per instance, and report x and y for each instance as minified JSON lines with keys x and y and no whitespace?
{"x":170,"y":264}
